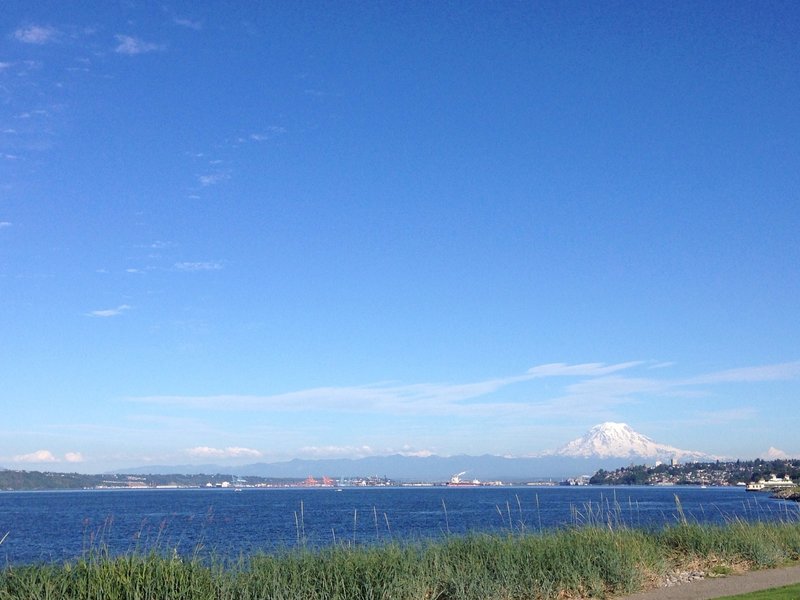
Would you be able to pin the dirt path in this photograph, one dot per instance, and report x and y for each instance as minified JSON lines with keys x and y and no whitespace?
{"x":723,"y":586}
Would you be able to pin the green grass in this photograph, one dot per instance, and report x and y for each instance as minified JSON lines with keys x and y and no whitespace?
{"x":790,"y":592}
{"x":582,"y":562}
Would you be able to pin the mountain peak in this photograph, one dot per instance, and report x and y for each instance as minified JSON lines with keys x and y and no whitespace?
{"x":619,"y":440}
{"x":611,"y":427}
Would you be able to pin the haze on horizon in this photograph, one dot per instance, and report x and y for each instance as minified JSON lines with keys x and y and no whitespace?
{"x":276,"y":230}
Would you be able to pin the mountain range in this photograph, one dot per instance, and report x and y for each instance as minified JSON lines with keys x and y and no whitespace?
{"x":607,"y":446}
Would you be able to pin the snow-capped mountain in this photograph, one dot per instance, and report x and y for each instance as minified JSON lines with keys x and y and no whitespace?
{"x":618,"y":440}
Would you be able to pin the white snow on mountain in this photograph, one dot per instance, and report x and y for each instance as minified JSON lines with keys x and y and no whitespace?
{"x":774,"y":454}
{"x":618,"y":440}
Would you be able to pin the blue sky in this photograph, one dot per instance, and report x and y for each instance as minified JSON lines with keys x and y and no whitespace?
{"x":241,"y":232}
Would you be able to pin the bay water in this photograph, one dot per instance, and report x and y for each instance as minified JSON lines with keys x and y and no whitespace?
{"x":65,"y":525}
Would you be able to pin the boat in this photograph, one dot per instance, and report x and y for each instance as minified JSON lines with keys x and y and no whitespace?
{"x":456,"y":481}
{"x":773,"y":483}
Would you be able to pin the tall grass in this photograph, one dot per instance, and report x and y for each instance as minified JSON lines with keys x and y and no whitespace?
{"x":588,"y":561}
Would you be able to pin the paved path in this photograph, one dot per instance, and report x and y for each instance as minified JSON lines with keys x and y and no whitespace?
{"x":706,"y":589}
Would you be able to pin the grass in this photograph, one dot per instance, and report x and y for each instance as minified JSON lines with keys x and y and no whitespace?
{"x":789,"y":592}
{"x":598,"y":560}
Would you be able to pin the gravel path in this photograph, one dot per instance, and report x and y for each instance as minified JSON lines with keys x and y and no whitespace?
{"x":705,"y":589}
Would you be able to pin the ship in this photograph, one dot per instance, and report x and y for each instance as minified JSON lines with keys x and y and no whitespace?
{"x":456,"y":481}
{"x":773,"y":483}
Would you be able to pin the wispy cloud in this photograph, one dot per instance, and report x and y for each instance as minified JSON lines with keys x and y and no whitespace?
{"x":582,"y":370}
{"x":661,"y":365}
{"x":401,"y":400}
{"x":131,"y":46}
{"x":615,"y":388}
{"x":188,"y":23}
{"x":268,"y":134}
{"x":4,"y":224}
{"x":230,"y":452}
{"x":28,"y":114}
{"x":213,"y":265}
{"x":422,"y":398}
{"x":777,"y":372}
{"x":160,"y":245}
{"x":110,"y":312}
{"x":213,"y":178}
{"x":36,"y":34}
{"x":73,"y":457}
{"x":600,"y":389}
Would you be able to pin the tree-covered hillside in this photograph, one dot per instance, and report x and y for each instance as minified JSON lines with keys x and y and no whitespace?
{"x":709,"y":473}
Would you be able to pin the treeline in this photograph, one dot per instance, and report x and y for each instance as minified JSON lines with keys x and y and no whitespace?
{"x":713,"y":473}
{"x":38,"y":480}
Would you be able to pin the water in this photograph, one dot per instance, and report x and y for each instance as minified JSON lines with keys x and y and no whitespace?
{"x":57,"y":526}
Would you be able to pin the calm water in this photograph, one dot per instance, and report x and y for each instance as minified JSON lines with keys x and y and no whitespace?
{"x":54,"y":526}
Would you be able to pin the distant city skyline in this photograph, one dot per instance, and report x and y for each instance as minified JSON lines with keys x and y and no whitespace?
{"x":235,"y":234}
